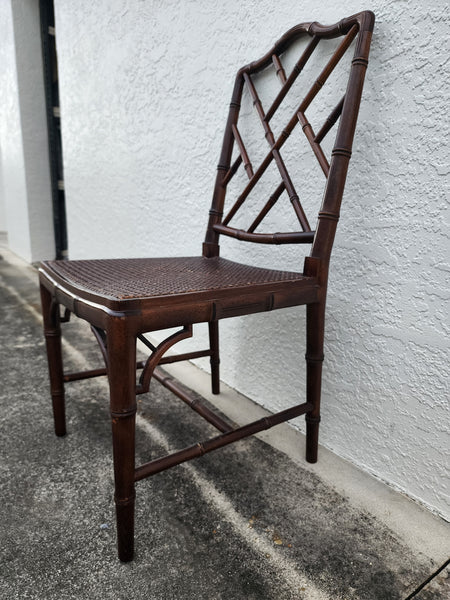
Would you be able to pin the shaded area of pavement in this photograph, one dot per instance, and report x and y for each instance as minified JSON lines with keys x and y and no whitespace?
{"x":245,"y":522}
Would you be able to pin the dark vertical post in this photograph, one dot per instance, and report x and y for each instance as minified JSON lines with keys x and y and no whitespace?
{"x":315,"y":321}
{"x":122,"y":381}
{"x":211,"y":243}
{"x":50,"y":74}
{"x":52,"y":333}
{"x":215,"y":356}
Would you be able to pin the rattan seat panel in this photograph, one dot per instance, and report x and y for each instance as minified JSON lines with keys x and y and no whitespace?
{"x":127,"y":279}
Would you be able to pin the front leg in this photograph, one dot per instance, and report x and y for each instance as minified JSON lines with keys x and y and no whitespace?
{"x":121,"y":352}
{"x":52,"y":333}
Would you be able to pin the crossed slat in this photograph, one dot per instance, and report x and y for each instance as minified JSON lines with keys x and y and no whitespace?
{"x":276,"y":144}
{"x":288,"y":184}
{"x":306,"y":126}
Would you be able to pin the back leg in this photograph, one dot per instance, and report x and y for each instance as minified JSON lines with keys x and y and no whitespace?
{"x":215,"y":357}
{"x":315,"y":321}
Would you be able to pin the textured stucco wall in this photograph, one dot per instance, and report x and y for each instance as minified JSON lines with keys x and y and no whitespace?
{"x":23,"y":133}
{"x":145,"y":88}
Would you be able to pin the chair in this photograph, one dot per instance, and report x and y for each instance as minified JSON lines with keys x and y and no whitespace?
{"x":123,"y":299}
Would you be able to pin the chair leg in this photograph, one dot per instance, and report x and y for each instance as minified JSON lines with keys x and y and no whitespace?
{"x":121,"y":349}
{"x":52,"y":333}
{"x":315,"y":321}
{"x":215,"y":357}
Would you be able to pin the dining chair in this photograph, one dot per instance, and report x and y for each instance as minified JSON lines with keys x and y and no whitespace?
{"x":124,"y":299}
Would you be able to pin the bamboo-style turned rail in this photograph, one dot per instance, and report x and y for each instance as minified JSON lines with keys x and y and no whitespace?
{"x":201,"y":448}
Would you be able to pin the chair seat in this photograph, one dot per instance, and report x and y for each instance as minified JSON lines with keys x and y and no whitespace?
{"x":220,"y":287}
{"x":116,"y":280}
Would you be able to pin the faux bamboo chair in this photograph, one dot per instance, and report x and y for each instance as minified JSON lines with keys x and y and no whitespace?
{"x":126,"y":298}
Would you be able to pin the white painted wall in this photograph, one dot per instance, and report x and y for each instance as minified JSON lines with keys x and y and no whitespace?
{"x":13,"y":167}
{"x":145,"y":88}
{"x":3,"y":225}
{"x":23,"y":133}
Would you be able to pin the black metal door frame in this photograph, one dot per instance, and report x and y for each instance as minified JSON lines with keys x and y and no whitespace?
{"x":50,"y":63}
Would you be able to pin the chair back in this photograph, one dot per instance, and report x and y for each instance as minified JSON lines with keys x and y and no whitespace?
{"x":251,"y":200}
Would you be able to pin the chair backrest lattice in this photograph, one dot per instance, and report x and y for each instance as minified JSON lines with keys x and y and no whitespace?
{"x":357,"y":27}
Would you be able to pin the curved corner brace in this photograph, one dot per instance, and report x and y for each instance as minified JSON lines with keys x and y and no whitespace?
{"x":100,"y":336}
{"x":156,"y":355}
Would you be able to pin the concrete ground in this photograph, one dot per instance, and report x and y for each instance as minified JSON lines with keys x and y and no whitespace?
{"x":250,"y":521}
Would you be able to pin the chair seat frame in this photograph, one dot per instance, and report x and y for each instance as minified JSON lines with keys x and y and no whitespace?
{"x":118,"y":323}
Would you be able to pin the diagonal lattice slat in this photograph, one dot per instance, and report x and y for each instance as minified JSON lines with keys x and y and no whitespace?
{"x":330,"y":121}
{"x":298,"y":68}
{"x":243,"y":152}
{"x":268,"y":205}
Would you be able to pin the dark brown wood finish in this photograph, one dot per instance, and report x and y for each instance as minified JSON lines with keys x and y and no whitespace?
{"x":125,"y":298}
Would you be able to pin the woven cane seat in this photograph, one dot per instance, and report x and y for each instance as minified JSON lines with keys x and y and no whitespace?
{"x":140,"y":278}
